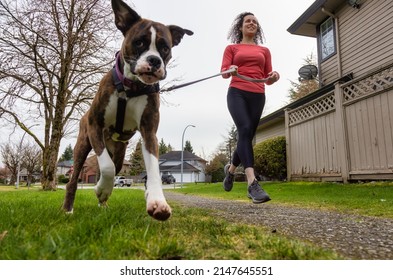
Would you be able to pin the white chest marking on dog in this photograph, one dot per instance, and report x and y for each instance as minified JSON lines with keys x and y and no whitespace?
{"x":134,"y":110}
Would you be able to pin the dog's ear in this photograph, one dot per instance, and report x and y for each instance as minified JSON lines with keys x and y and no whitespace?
{"x":178,"y":33}
{"x":125,"y":17}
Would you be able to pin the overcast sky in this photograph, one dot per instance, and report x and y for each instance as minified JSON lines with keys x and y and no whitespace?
{"x":200,"y":55}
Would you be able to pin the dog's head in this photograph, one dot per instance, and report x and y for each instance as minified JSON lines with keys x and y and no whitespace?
{"x":147,"y":45}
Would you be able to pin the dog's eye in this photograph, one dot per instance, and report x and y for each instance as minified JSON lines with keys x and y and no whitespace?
{"x":165,"y":50}
{"x":139,"y":44}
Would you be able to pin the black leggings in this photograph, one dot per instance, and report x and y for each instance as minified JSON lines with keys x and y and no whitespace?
{"x":246,"y":110}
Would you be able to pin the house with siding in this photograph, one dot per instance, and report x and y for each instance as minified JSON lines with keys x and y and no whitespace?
{"x":344,"y":130}
{"x":193,"y":166}
{"x":90,"y":170}
{"x":64,"y":167}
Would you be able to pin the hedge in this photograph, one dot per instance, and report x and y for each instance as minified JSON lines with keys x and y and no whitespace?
{"x":270,"y":158}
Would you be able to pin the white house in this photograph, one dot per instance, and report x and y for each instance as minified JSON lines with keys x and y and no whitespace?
{"x":193,"y":166}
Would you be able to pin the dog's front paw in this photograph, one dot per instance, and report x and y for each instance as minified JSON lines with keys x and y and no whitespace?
{"x":103,"y":204}
{"x":159,"y":210}
{"x":102,"y":195}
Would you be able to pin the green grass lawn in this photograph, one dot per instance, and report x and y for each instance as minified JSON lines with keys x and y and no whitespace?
{"x":371,"y":199}
{"x":32,"y":226}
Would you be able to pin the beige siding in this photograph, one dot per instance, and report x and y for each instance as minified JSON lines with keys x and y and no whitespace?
{"x":329,"y":70}
{"x":271,"y":131}
{"x":366,"y":37}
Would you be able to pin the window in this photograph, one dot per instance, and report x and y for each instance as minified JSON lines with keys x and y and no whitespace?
{"x":327,"y":40}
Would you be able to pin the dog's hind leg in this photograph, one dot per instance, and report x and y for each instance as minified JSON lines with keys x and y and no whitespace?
{"x":119,"y":151}
{"x":81,"y":150}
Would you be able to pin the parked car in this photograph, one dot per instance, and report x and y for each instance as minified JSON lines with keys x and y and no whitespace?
{"x":168,"y":179}
{"x":121,"y":181}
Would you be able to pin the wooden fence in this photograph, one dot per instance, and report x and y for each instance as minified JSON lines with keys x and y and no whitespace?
{"x":347,"y":134}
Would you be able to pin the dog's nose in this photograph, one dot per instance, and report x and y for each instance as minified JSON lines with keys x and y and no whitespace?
{"x":154,"y":61}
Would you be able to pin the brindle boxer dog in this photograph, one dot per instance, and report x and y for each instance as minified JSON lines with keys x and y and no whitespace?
{"x":128,"y":100}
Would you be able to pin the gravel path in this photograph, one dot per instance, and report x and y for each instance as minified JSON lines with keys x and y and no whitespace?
{"x":352,"y":236}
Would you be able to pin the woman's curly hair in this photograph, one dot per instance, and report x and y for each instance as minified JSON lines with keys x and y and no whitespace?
{"x":235,"y":34}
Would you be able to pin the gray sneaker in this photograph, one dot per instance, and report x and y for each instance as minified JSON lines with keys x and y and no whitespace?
{"x":229,"y":178}
{"x":256,"y":193}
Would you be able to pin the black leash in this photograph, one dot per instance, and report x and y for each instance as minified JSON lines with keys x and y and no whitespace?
{"x":219,"y":74}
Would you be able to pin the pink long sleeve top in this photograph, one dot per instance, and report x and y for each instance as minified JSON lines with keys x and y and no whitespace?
{"x":253,"y":61}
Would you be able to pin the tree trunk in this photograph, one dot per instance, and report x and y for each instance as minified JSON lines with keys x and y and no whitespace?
{"x":51,"y":151}
{"x":48,"y":178}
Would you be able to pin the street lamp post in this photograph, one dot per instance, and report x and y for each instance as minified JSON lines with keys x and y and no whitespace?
{"x":182,"y":155}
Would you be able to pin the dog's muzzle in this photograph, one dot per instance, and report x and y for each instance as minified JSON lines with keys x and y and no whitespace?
{"x":154,"y":62}
{"x":150,"y":70}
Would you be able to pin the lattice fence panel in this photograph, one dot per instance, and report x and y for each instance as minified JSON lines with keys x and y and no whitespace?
{"x":373,"y":84}
{"x":319,"y":107}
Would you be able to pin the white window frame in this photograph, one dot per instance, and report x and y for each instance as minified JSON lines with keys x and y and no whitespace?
{"x":327,"y":39}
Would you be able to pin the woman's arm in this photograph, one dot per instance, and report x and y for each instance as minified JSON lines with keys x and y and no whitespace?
{"x":227,"y":61}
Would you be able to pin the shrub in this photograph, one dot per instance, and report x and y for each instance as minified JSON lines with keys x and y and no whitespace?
{"x":270,"y":158}
{"x":63,"y":179}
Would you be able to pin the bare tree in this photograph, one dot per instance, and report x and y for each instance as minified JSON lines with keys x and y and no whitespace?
{"x":29,"y":156}
{"x":10,"y":154}
{"x":52,"y":53}
{"x":31,"y":160}
{"x":4,"y":174}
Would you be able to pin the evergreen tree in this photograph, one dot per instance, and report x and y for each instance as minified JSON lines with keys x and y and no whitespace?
{"x":137,"y":163}
{"x":170,"y":148}
{"x":188,"y":147}
{"x":231,"y":142}
{"x":162,"y":148}
{"x":67,"y":154}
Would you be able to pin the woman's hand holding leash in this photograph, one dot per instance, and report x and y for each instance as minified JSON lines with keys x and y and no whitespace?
{"x":232,"y":71}
{"x":272,"y":77}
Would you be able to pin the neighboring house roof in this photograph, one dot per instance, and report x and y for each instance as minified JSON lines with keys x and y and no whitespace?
{"x":177,"y":168}
{"x":92,"y":160}
{"x":306,"y":24}
{"x":176,"y":156}
{"x":66,"y":163}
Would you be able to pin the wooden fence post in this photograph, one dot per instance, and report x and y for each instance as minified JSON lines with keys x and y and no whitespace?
{"x":341,"y":132}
